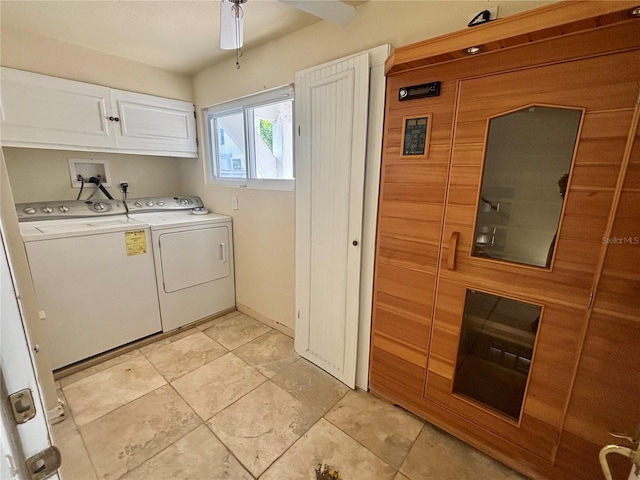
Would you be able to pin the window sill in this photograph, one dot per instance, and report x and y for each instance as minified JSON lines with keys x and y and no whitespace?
{"x":284,"y":185}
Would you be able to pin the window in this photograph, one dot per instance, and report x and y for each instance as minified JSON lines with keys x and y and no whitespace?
{"x":250,"y":140}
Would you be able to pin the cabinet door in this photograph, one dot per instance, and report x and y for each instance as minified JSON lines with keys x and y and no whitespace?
{"x":536,"y":157}
{"x":48,"y":112}
{"x":157,"y":125}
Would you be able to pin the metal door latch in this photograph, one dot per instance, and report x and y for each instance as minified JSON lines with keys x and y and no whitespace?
{"x":22,"y":405}
{"x":44,"y":463}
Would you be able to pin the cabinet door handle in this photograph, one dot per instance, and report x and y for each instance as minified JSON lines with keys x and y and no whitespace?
{"x":111,"y":119}
{"x":453,"y":246}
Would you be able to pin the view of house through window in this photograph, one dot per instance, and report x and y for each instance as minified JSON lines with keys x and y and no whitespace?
{"x":251,"y":139}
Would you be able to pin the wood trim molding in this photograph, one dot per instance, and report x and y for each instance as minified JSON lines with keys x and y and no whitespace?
{"x":550,"y":21}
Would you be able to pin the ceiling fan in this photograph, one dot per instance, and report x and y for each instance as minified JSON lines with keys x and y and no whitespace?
{"x":232,"y":18}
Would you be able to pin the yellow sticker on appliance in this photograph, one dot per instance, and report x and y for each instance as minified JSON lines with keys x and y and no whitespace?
{"x":135,"y":242}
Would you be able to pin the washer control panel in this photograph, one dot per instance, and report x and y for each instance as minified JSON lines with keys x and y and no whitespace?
{"x":80,"y":208}
{"x":68,"y":209}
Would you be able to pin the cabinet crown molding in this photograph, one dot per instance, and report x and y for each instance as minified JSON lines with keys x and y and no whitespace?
{"x":561,"y":18}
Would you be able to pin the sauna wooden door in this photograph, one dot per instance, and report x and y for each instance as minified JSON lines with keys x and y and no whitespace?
{"x":535,"y":162}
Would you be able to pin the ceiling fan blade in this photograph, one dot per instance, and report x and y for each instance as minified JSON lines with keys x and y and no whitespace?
{"x":331,"y":10}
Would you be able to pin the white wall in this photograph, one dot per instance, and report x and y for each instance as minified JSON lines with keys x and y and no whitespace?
{"x":264,"y":222}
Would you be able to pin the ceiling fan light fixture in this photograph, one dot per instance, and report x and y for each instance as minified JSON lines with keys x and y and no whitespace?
{"x":232,"y":26}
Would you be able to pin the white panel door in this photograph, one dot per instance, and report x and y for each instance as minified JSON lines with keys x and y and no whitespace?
{"x":152,"y":123}
{"x":48,"y":111}
{"x":331,"y":112}
{"x":194,"y":257}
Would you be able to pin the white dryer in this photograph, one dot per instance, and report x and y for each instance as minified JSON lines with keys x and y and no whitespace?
{"x":193,"y":255}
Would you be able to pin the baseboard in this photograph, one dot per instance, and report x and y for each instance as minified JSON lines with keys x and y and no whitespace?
{"x":288,"y":331}
{"x":56,"y":414}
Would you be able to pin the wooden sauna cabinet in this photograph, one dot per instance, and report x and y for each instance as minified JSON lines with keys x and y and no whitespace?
{"x":574,"y":360}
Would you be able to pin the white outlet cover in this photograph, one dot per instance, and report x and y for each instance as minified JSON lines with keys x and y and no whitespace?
{"x":88,"y":167}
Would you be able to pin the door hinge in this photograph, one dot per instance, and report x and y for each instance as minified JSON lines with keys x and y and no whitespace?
{"x":298,"y":314}
{"x":298,"y":130}
{"x":197,"y":142}
{"x":194,"y":114}
{"x":44,"y":463}
{"x":23,"y":407}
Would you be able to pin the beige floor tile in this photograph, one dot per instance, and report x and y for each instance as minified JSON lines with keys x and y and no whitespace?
{"x":326,"y":444}
{"x":217,"y":384}
{"x":185,"y":355}
{"x":87,"y":372}
{"x":315,"y":389}
{"x":436,"y":454}
{"x":125,"y":438}
{"x":236,"y":331}
{"x":166,"y":341}
{"x":103,"y":392}
{"x":386,"y":430}
{"x":260,"y":426}
{"x":400,"y":476}
{"x":75,"y":459}
{"x":210,"y":323}
{"x":268,"y":353}
{"x":197,"y":456}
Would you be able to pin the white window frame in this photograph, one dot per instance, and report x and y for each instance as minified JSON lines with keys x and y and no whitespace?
{"x":245,"y":105}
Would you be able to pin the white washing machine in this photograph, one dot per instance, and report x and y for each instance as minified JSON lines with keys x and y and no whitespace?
{"x":94,"y":276}
{"x":193,"y":255}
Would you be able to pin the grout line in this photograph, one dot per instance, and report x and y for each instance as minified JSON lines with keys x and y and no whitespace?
{"x":228,"y":449}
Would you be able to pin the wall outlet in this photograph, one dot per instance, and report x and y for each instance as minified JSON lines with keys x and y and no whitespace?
{"x":234,"y":202}
{"x":492,"y":10}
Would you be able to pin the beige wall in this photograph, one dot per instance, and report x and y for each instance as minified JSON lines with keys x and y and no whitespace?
{"x":38,"y":175}
{"x":264,"y":222}
{"x":35,"y":53}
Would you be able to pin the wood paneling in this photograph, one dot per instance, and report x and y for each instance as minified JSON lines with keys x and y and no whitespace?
{"x":583,"y":55}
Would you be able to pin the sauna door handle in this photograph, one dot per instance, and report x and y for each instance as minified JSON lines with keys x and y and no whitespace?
{"x":453,"y":246}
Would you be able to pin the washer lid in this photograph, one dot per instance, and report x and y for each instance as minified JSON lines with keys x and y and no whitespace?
{"x":48,"y":229}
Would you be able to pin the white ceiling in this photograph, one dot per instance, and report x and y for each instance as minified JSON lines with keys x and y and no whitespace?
{"x":179,"y":36}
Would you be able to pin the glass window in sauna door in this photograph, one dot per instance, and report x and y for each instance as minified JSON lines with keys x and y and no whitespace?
{"x":495,"y":351}
{"x":527,"y":163}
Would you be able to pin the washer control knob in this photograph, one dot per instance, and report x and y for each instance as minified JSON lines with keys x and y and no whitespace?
{"x":150,"y":203}
{"x":63,"y":208}
{"x":46,"y":209}
{"x":99,"y":206}
{"x":138,"y":204}
{"x":184,"y":201}
{"x":29,"y":210}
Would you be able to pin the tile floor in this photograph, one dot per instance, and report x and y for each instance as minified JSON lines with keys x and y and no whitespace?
{"x":231,"y":400}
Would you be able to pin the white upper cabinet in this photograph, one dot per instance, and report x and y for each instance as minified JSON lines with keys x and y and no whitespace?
{"x":39,"y":111}
{"x":153,"y":123}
